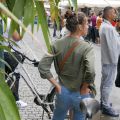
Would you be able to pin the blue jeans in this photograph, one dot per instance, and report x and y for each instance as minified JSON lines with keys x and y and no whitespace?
{"x":68,"y":100}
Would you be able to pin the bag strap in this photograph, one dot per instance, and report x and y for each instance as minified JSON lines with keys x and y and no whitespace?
{"x":67,"y":55}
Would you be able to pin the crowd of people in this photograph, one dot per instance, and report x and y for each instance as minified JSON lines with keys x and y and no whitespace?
{"x":75,"y":62}
{"x":94,"y":22}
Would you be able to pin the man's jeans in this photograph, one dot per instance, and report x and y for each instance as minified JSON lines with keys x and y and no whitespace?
{"x":108,"y":78}
{"x":67,"y":100}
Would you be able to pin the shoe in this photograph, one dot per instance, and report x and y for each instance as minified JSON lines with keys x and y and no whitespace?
{"x":110,"y":104}
{"x":109,"y":111}
{"x":54,"y":35}
{"x":21,"y":104}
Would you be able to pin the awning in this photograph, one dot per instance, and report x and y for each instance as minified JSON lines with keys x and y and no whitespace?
{"x":93,"y":3}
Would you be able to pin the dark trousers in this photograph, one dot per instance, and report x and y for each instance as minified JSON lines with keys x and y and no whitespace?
{"x":89,"y":35}
{"x":15,"y":87}
{"x":93,"y":34}
{"x":13,"y":64}
{"x":55,"y":29}
{"x":117,"y":81}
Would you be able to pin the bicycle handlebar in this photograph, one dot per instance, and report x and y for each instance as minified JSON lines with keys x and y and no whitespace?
{"x":35,"y":62}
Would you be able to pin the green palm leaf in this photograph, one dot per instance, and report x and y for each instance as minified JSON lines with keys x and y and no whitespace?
{"x":10,"y":4}
{"x":54,"y":11}
{"x":43,"y":22}
{"x":74,"y":3}
{"x":29,"y":16}
{"x":7,"y":102}
{"x":4,"y":62}
{"x":18,"y":6}
{"x":2,"y":116}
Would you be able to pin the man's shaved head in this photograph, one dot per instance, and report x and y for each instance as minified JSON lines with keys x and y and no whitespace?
{"x":109,"y":13}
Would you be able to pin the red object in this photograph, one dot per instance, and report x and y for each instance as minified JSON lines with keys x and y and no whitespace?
{"x":113,"y":23}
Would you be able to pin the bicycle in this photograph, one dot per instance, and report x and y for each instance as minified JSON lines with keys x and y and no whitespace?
{"x":44,"y":101}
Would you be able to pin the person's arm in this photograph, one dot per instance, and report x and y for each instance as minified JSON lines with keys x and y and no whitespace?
{"x":89,"y":73}
{"x":44,"y":69}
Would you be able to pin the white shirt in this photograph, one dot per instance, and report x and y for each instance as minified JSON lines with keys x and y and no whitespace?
{"x":6,"y":34}
{"x":110,"y":43}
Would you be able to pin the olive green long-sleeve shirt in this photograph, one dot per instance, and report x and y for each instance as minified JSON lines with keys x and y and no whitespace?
{"x":78,"y":68}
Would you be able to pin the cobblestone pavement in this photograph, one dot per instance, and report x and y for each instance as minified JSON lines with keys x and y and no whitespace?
{"x":33,"y":111}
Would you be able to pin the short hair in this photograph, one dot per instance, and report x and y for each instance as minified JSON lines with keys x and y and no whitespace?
{"x":92,"y":13}
{"x":100,"y":13}
{"x":106,"y":11}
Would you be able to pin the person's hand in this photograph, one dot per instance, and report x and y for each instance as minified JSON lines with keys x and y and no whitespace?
{"x":58,"y":88}
{"x":16,"y":36}
{"x":85,"y":90}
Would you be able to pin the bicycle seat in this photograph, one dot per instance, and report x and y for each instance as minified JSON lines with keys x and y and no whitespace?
{"x":89,"y":106}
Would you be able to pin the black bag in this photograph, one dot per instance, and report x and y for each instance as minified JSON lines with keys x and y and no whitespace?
{"x":117,"y":81}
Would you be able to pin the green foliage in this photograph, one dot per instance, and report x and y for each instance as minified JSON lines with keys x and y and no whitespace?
{"x":2,"y":116}
{"x":18,"y":11}
{"x":74,"y":3}
{"x":54,"y":11}
{"x":10,"y":4}
{"x":8,"y":109}
{"x":43,"y":22}
{"x":29,"y":16}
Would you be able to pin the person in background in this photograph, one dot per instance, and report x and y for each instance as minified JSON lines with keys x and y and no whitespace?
{"x":64,"y":29}
{"x":15,"y":37}
{"x":61,"y":24}
{"x":78,"y":71}
{"x":93,"y":30}
{"x":98,"y":24}
{"x":110,"y":50}
{"x":89,"y":34}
